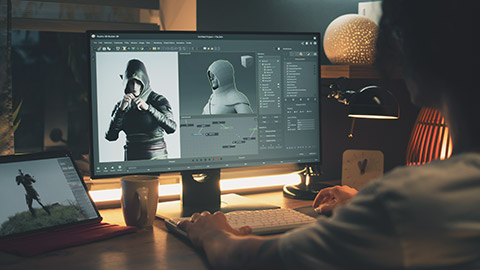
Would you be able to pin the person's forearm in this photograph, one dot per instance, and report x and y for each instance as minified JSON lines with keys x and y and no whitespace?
{"x":228,"y":251}
{"x":115,"y":124}
{"x":163,"y":119}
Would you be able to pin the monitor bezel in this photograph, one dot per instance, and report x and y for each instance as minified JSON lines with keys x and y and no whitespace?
{"x":93,"y":175}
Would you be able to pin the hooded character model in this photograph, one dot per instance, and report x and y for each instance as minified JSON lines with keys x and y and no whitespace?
{"x":225,"y":98}
{"x":143,"y":115}
{"x":30,"y":193}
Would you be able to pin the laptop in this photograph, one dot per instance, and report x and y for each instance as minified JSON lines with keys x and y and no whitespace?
{"x":45,"y":205}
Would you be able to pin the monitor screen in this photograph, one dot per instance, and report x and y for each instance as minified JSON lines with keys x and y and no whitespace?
{"x":177,"y":101}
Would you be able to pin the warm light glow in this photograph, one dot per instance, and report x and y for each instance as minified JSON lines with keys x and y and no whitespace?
{"x":372,"y":116}
{"x":227,"y":185}
{"x":350,"y":39}
{"x":259,"y":182}
{"x":446,"y":151}
{"x":430,"y":139}
{"x":106,"y":195}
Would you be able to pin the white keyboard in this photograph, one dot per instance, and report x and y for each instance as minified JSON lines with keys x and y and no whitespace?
{"x":266,"y":221}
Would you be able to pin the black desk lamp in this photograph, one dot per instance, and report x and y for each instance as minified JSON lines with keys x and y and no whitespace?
{"x":371,"y":102}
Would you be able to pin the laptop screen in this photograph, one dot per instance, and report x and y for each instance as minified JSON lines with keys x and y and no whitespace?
{"x":40,"y":191}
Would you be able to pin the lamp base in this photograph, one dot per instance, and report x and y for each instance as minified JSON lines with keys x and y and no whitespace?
{"x":301,"y":192}
{"x":305,"y":190}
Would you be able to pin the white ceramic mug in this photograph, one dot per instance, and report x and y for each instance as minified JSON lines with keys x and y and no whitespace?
{"x":139,"y":199}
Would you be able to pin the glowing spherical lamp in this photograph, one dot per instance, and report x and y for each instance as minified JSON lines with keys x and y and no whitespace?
{"x":350,"y":39}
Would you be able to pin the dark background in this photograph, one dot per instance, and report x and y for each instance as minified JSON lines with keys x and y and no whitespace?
{"x":50,"y":77}
{"x":50,"y":81}
{"x":272,"y":15}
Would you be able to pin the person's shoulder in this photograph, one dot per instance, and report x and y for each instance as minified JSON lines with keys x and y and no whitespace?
{"x":434,"y":182}
{"x":158,"y":99}
{"x":421,"y":200}
{"x":237,"y":97}
{"x":463,"y":166}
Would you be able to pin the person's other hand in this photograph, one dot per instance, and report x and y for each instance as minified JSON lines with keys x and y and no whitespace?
{"x":127,"y":99}
{"x":141,"y":104}
{"x":329,"y":198}
{"x":203,"y":226}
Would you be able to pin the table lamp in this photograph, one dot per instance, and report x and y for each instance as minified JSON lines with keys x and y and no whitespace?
{"x":430,"y":139}
{"x":371,"y":102}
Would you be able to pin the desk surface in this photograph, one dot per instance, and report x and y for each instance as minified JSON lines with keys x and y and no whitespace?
{"x":152,"y":248}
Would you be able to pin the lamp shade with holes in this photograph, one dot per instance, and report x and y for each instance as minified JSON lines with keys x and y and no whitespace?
{"x":350,"y":39}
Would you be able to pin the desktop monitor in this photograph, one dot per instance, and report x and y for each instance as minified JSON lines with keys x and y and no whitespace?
{"x":194,"y":102}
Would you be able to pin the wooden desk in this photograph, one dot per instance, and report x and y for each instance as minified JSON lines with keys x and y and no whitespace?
{"x":152,"y":248}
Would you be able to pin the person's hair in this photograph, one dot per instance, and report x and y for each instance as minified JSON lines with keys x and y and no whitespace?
{"x":428,"y":38}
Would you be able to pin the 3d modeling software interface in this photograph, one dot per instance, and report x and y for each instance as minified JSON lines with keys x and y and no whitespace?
{"x":187,"y":100}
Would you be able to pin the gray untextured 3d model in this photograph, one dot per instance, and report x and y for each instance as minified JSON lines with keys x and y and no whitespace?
{"x":225,"y":98}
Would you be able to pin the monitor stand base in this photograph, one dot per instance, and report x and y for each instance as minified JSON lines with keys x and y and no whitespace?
{"x":201,"y":192}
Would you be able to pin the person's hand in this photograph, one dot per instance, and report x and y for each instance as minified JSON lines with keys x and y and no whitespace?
{"x":329,"y":198}
{"x":127,"y":99}
{"x":204,"y":226}
{"x":140,"y":103}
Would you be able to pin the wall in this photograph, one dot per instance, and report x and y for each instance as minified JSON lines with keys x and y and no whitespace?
{"x":178,"y":15}
{"x":271,"y":15}
{"x":389,"y":136}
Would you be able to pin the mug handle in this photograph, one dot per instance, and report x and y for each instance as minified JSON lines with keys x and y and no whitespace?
{"x":142,"y":195}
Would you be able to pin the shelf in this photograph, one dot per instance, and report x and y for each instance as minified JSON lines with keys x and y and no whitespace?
{"x":349,"y":71}
{"x":76,"y":26}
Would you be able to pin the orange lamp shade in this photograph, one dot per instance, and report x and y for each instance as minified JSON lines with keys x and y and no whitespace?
{"x":430,"y":139}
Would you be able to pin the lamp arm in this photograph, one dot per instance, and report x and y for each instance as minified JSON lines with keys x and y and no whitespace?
{"x":342,"y":96}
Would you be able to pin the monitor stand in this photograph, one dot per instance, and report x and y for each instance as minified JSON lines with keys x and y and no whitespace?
{"x":201,"y":192}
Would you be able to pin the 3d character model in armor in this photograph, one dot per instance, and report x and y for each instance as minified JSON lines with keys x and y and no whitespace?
{"x":30,"y":193}
{"x":225,"y":97}
{"x":143,"y":115}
